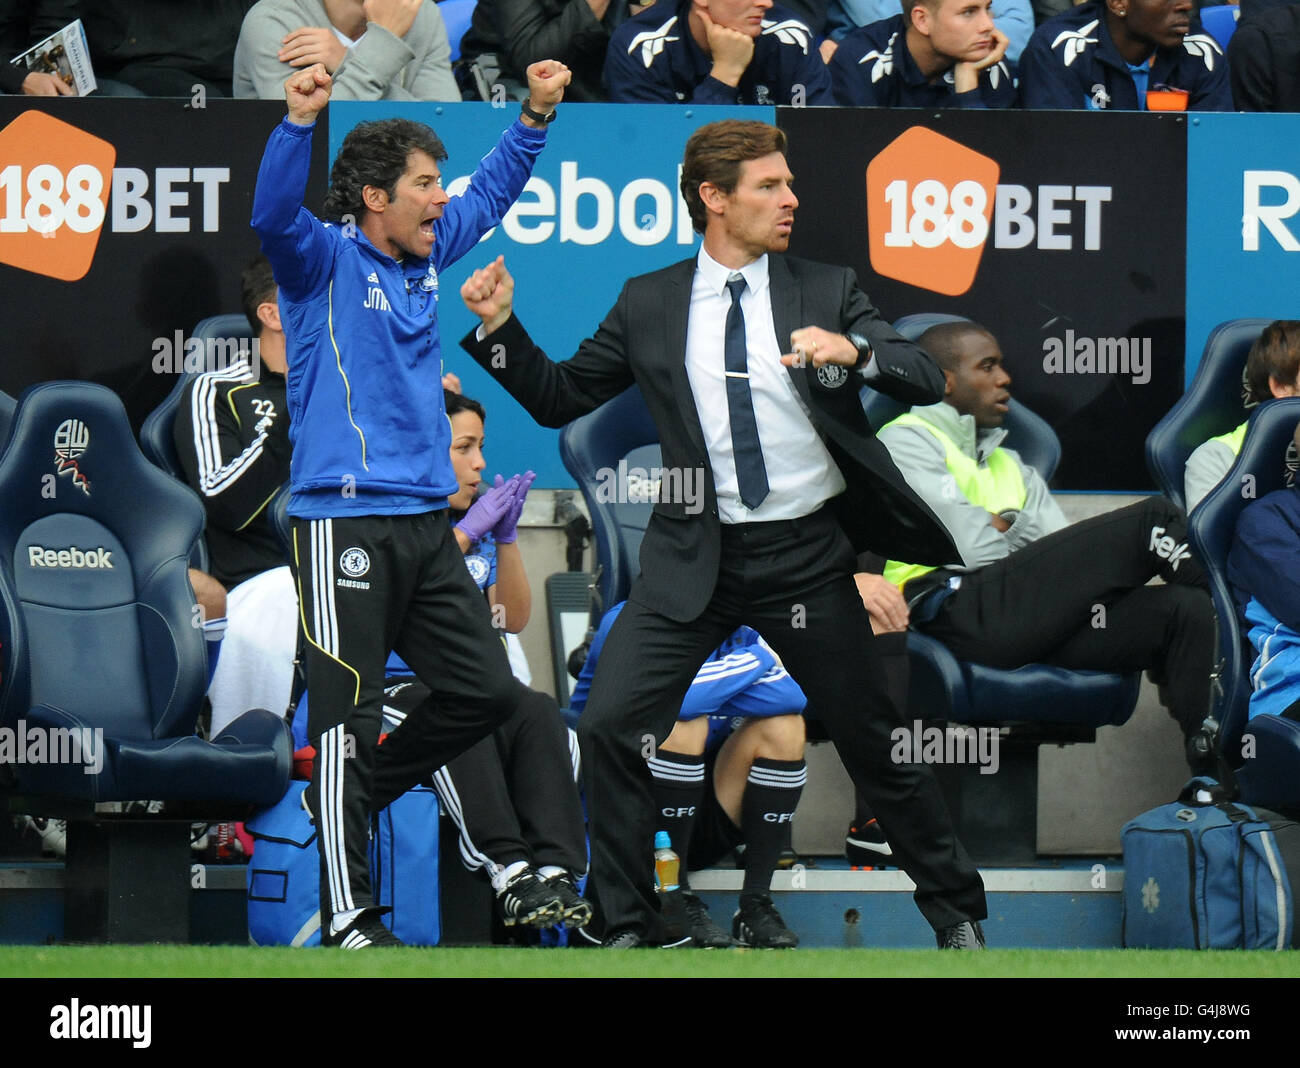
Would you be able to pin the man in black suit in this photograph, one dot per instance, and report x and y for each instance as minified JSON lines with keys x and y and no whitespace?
{"x":795,"y":484}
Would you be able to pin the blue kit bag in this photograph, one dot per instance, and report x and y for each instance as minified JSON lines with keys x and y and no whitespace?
{"x":1209,"y":873}
{"x":284,"y":872}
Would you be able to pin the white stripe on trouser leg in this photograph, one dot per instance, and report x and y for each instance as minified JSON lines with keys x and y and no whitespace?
{"x":332,"y":828}
{"x":330,"y":614}
{"x":473,"y":857}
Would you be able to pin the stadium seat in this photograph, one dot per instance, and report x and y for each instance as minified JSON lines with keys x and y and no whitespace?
{"x":1272,"y":775}
{"x":1220,"y":22}
{"x":456,"y":15}
{"x":7,"y":406}
{"x":156,"y":434}
{"x":99,"y":642}
{"x":1211,"y":405}
{"x":591,"y":448}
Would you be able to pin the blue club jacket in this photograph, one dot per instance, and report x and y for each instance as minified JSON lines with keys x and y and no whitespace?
{"x":370,"y":435}
{"x":654,"y":59}
{"x":873,"y":68}
{"x":1071,"y":63}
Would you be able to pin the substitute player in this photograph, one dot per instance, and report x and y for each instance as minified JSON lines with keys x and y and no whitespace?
{"x":378,"y":568}
{"x":730,"y":772}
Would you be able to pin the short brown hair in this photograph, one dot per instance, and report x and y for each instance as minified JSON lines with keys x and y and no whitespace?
{"x":1275,"y":354}
{"x":714,"y":154}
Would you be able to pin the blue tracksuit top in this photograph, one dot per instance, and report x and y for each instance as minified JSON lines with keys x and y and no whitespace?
{"x":1071,"y":63}
{"x":653,"y":58}
{"x":370,"y":435}
{"x":874,"y":68}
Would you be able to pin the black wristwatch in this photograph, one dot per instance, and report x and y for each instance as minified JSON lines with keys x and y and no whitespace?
{"x":537,"y":116}
{"x":864,"y":350}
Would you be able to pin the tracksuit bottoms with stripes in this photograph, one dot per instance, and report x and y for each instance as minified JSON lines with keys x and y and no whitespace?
{"x":368,"y":585}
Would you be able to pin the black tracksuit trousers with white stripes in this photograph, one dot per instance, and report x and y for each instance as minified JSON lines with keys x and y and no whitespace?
{"x":368,"y":585}
{"x":513,"y":796}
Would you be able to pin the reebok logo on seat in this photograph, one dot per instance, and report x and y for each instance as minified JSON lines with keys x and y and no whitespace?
{"x":97,"y":559}
{"x":1168,"y":549}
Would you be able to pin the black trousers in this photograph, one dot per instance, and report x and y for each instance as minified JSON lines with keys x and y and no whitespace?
{"x":514,"y":795}
{"x":1078,"y":599}
{"x":792,"y":582}
{"x":368,"y":585}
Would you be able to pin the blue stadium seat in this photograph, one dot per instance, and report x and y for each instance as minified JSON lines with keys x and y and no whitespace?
{"x":7,"y":406}
{"x":1220,"y":22}
{"x":156,"y":434}
{"x":99,"y":640}
{"x":1272,"y":775}
{"x":96,"y":613}
{"x":1211,"y":405}
{"x":619,"y":430}
{"x":457,"y":15}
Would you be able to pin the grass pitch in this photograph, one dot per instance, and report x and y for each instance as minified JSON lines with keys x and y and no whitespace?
{"x":155,"y":962}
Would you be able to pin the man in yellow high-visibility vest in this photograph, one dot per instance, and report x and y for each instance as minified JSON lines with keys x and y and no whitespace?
{"x":1033,"y":588}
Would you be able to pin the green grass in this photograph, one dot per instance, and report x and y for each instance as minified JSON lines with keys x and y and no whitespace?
{"x":239,"y":961}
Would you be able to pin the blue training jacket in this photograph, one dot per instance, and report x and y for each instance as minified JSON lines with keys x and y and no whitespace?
{"x":369,"y":431}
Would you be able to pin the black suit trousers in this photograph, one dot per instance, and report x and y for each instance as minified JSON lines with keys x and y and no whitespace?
{"x":793,"y":582}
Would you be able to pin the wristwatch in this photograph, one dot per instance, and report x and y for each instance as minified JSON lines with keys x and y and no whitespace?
{"x":864,"y":350}
{"x":537,"y":116}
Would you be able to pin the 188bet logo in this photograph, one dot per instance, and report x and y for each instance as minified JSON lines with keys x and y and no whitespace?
{"x":54,"y":185}
{"x":929,"y":207}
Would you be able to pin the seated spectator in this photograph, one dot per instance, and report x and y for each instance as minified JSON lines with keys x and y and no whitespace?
{"x":942,"y":53}
{"x":716,"y":52}
{"x":19,"y":31}
{"x":1264,"y":61}
{"x":155,"y":47}
{"x":232,"y":436}
{"x":730,"y":773}
{"x":1031,"y":589}
{"x":1272,"y":370}
{"x":1015,"y":18}
{"x":377,"y":50}
{"x":1109,"y":54}
{"x":507,"y":36}
{"x":1263,"y":578}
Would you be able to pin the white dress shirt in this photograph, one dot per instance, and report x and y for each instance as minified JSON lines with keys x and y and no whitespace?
{"x":801,"y":475}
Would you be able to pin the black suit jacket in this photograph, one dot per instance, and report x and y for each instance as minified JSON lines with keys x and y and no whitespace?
{"x":643,"y":340}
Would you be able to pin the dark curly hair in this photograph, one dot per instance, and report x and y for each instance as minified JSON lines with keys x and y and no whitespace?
{"x":375,"y":153}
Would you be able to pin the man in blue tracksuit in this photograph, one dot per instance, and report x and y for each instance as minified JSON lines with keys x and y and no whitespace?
{"x":716,"y":52}
{"x":377,"y":566}
{"x":1108,"y":54}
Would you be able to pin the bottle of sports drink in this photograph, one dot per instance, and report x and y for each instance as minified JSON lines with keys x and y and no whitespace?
{"x":667,"y":863}
{"x":672,"y":906}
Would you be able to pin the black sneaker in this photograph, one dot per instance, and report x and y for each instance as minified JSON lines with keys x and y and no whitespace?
{"x":966,"y":935}
{"x":528,"y":900}
{"x":705,"y":934}
{"x":366,"y":931}
{"x":758,"y":924}
{"x":575,"y":909}
{"x":866,"y":846}
{"x":624,"y":940}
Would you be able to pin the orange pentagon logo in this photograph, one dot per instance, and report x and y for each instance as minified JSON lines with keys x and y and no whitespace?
{"x":929,"y":207}
{"x":54,"y":183}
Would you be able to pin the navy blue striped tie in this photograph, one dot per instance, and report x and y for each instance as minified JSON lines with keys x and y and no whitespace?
{"x":751,"y":473}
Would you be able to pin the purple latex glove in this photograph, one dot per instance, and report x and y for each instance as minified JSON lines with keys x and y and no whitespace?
{"x":488,"y":509}
{"x":506,"y":529}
